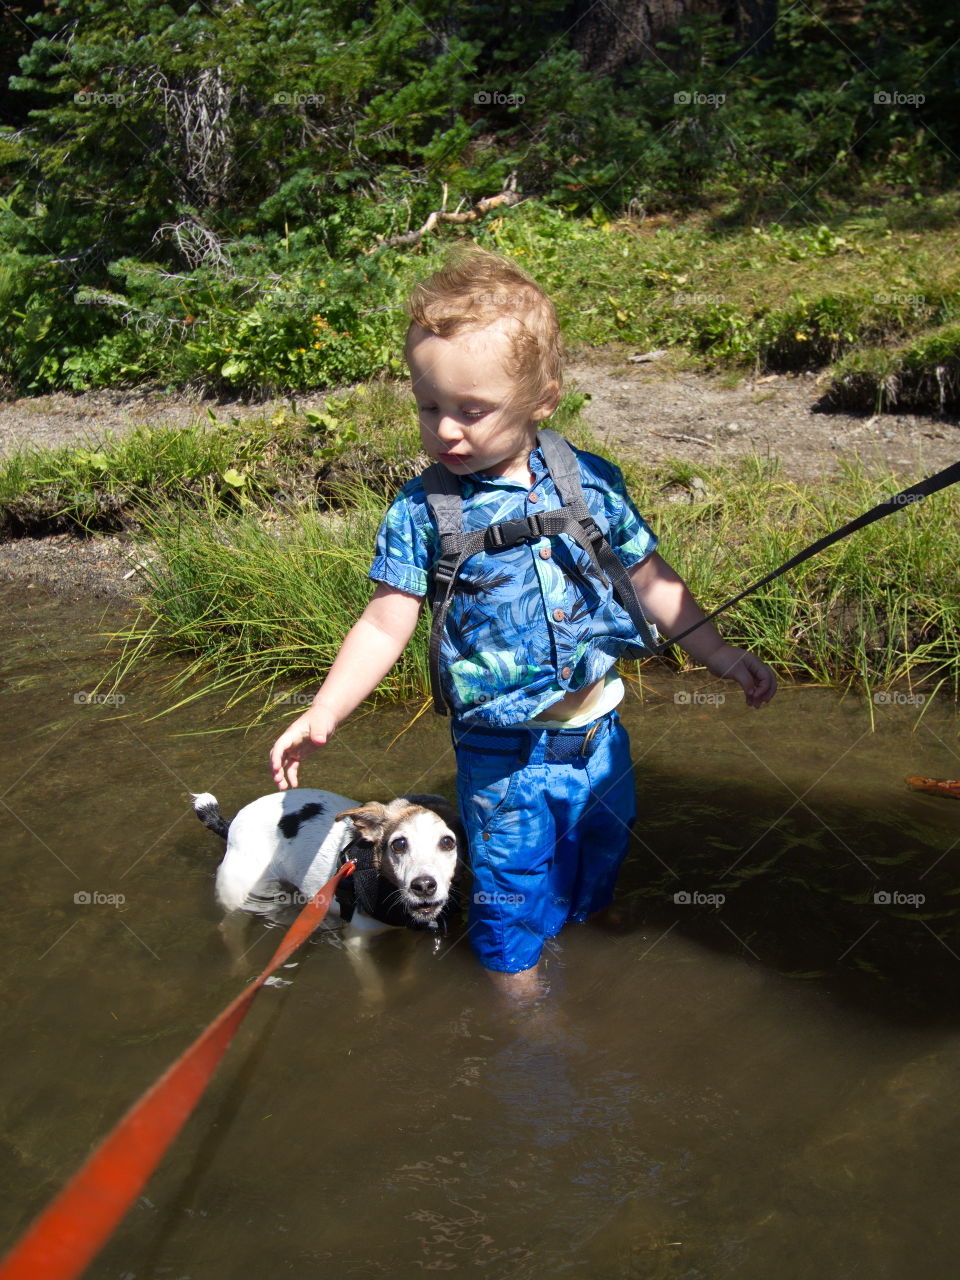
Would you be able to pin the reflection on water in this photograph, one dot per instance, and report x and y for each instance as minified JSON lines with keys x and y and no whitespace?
{"x":750,"y":1074}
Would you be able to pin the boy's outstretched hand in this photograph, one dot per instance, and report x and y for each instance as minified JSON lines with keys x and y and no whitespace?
{"x":308,"y":732}
{"x":758,"y":682}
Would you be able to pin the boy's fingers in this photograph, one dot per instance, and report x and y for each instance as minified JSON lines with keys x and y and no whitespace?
{"x":279,"y":766}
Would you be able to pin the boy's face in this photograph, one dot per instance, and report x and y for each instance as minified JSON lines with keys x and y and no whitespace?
{"x":463,"y":393}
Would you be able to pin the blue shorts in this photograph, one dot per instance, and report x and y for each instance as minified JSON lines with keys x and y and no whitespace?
{"x":548,"y":814}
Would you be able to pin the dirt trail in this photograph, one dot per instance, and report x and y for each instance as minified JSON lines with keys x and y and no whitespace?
{"x":655,"y":413}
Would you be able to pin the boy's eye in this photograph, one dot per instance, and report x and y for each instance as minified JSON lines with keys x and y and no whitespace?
{"x":467,"y":413}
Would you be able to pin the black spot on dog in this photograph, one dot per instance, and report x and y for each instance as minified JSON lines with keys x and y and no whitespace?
{"x":291,"y":823}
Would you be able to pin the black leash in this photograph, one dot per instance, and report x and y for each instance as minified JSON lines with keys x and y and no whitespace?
{"x":916,"y":493}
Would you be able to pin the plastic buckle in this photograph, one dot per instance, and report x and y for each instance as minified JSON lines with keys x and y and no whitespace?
{"x":510,"y":532}
{"x":443,"y":573}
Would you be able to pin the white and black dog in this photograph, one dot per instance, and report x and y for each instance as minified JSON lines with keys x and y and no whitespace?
{"x":407,"y":854}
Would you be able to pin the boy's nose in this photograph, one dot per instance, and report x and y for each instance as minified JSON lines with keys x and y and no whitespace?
{"x":449,"y":430}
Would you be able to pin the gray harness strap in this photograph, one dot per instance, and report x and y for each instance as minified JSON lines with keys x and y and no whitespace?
{"x":442,"y":490}
{"x":562,"y":464}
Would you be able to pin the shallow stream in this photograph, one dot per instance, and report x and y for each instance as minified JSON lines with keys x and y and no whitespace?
{"x":754,"y":1075}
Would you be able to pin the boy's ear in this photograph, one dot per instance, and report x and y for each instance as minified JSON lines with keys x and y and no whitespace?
{"x":549,"y":402}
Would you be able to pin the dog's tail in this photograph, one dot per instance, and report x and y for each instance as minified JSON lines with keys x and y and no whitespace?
{"x":208,"y":811}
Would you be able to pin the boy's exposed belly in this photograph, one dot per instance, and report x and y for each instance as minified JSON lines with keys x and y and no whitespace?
{"x":575,"y":703}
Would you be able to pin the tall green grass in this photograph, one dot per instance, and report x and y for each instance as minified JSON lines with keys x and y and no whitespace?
{"x":257,"y":604}
{"x":880,"y":607}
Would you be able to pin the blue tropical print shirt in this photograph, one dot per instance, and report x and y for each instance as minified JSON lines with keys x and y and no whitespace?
{"x":529,"y":623}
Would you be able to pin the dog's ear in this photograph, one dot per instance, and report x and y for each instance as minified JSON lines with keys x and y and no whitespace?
{"x":369,"y":819}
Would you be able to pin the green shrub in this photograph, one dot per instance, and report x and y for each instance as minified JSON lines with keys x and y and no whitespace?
{"x":177,"y":184}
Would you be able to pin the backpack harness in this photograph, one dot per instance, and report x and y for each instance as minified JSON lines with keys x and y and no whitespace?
{"x":573,"y":517}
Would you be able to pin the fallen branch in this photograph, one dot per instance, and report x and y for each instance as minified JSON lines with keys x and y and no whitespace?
{"x":676,"y":435}
{"x":504,"y":200}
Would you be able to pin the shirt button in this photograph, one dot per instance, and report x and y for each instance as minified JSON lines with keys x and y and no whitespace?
{"x":486,"y":835}
{"x":532,"y":497}
{"x":558,"y":615}
{"x":566,"y":673}
{"x":545,"y":553}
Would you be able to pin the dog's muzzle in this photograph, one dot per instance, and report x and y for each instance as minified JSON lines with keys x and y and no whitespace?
{"x":423,"y":910}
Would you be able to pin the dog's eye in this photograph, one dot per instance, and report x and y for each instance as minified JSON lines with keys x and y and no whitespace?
{"x":447,"y":843}
{"x":399,"y":844}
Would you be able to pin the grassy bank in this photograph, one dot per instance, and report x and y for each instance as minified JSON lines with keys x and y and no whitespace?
{"x":254,"y":599}
{"x":284,"y":459}
{"x":262,"y":536}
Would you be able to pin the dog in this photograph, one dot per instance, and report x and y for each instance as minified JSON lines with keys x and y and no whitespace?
{"x":407,"y":854}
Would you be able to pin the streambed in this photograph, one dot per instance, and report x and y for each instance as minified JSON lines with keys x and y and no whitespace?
{"x":753,"y":1075}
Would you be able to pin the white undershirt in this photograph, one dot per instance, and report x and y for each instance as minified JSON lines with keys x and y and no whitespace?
{"x":611,"y":696}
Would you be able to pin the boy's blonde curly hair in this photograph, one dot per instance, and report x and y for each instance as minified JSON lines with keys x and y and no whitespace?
{"x":474,"y":288}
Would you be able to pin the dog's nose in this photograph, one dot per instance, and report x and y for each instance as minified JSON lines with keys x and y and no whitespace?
{"x":424,"y":886}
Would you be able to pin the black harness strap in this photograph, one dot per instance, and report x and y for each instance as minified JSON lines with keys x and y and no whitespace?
{"x":916,"y":493}
{"x":573,"y":518}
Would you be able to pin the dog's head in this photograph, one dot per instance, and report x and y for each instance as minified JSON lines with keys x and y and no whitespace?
{"x":416,"y":846}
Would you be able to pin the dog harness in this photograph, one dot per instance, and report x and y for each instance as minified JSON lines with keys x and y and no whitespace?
{"x":573,"y":518}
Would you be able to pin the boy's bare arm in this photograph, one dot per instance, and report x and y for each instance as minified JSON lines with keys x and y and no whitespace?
{"x":666,"y":599}
{"x":370,"y":648}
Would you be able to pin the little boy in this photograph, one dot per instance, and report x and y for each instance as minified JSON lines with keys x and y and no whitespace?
{"x":533,"y":630}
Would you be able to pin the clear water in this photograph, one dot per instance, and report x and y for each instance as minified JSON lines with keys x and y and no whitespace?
{"x":763,"y":1087}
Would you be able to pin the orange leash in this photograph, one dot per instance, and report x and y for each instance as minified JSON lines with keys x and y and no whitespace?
{"x":76,"y":1225}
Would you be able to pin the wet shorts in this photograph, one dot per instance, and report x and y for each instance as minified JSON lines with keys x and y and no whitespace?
{"x":548,"y":814}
